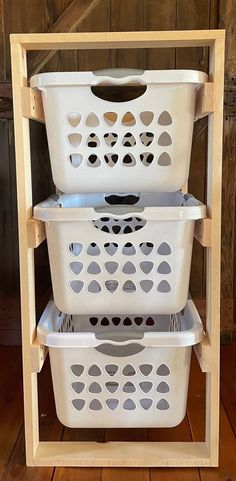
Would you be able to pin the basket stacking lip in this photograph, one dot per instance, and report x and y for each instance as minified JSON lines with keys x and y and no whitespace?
{"x":121,"y":76}
{"x":166,"y":222}
{"x":191,"y":334}
{"x":72,"y":207}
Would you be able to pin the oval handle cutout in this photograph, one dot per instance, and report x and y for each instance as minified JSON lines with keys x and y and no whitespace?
{"x":118,"y":93}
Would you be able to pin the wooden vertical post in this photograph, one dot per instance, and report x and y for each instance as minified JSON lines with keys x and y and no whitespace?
{"x":24,"y":192}
{"x":214,"y":173}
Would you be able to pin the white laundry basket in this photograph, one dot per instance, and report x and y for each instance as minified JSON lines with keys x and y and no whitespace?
{"x":122,"y":371}
{"x":97,"y":145}
{"x":120,"y":258}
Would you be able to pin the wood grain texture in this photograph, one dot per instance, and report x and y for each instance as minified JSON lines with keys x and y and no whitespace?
{"x":227,"y":14}
{"x":50,"y":428}
{"x":8,"y":216}
{"x":131,"y":474}
{"x":77,"y":474}
{"x":192,"y":14}
{"x":2,"y":43}
{"x":26,"y":16}
{"x":99,"y":21}
{"x":68,"y":21}
{"x":11,"y":413}
{"x":126,"y":16}
{"x":61,"y":61}
{"x":228,"y":387}
{"x":228,"y":208}
{"x":227,"y":20}
{"x":160,"y":15}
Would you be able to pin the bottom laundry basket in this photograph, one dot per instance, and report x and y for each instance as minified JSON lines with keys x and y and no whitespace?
{"x":120,"y":371}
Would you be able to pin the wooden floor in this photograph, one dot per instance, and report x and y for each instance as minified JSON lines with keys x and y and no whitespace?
{"x":12,"y":457}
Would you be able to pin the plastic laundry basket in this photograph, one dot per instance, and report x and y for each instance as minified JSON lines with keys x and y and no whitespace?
{"x":121,"y":371}
{"x":102,"y":145}
{"x":120,"y":258}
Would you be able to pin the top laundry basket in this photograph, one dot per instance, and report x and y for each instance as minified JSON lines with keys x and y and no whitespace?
{"x":119,"y":130}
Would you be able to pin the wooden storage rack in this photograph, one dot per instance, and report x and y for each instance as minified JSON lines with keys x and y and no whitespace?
{"x":28,"y":105}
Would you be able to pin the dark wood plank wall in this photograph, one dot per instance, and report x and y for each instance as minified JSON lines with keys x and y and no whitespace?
{"x":115,"y":15}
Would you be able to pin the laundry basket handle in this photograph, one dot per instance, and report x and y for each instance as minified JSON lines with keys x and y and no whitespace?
{"x":119,"y":76}
{"x":119,"y":337}
{"x":119,"y":210}
{"x":130,"y":349}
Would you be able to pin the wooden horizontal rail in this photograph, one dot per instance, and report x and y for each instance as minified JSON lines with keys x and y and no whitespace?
{"x":33,"y":106}
{"x":122,"y":453}
{"x":205,"y":100}
{"x":38,"y":356}
{"x":202,"y":231}
{"x":204,"y":354}
{"x":106,"y":40}
{"x":36,"y":233}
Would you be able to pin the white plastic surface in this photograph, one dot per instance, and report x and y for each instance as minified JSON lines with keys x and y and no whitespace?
{"x":122,"y":371}
{"x":120,"y":258}
{"x":98,"y":145}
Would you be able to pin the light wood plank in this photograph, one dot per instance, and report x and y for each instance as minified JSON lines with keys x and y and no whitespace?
{"x":64,"y":41}
{"x":32,"y":104}
{"x":36,"y":233}
{"x":205,"y":100}
{"x":203,"y":352}
{"x":129,"y":454}
{"x":38,"y":356}
{"x":215,"y":124}
{"x":24,"y":190}
{"x":125,"y":435}
{"x":202,"y":231}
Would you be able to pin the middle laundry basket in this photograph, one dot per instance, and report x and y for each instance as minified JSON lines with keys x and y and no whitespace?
{"x":120,"y":258}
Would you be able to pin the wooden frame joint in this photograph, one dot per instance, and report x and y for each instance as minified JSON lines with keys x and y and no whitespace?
{"x":203,"y":231}
{"x":38,"y":355}
{"x":205,"y":100}
{"x":36,"y":233}
{"x":203,"y":352}
{"x":32,"y":105}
